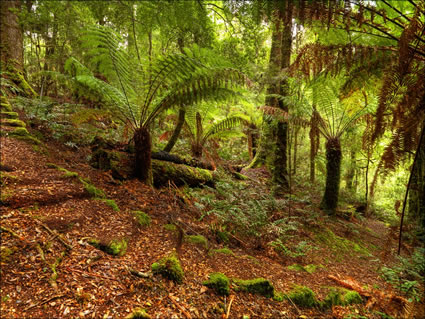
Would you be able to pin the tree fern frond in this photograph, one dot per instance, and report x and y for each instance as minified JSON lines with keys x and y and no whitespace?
{"x":223,"y":125}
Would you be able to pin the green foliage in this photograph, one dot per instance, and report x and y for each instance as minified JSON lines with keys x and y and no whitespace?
{"x":219,"y":282}
{"x":300,"y":250}
{"x":302,"y":296}
{"x":93,"y":190}
{"x":259,"y":286}
{"x":341,"y":297}
{"x":197,"y":239}
{"x":310,"y":268}
{"x":13,"y":122}
{"x":142,"y":218}
{"x":8,"y":115}
{"x":407,"y":275}
{"x":340,"y":245}
{"x":170,"y":268}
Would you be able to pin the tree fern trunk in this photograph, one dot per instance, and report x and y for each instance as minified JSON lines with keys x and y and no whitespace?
{"x":143,"y":149}
{"x":333,"y":174}
{"x":176,"y":132}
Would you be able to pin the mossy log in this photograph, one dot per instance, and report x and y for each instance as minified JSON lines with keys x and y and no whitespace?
{"x":163,"y":172}
{"x":165,"y":156}
{"x":180,"y":174}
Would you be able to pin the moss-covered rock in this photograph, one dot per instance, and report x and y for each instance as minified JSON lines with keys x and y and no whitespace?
{"x":170,"y":268}
{"x":302,"y":296}
{"x":138,"y":313}
{"x":197,"y":240}
{"x":219,"y":282}
{"x":142,"y":218}
{"x":8,"y":115}
{"x":12,"y":122}
{"x":259,"y":286}
{"x":115,"y":247}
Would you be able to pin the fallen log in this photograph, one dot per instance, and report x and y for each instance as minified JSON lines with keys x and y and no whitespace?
{"x":180,"y":174}
{"x":165,"y":156}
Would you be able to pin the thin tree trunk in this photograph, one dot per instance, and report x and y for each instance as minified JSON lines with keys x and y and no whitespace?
{"x":177,"y":130}
{"x":333,"y":175}
{"x":351,"y":171}
{"x":294,"y":167}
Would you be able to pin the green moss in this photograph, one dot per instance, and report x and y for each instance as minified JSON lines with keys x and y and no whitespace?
{"x":93,"y":190}
{"x":170,"y":268}
{"x":138,"y":313}
{"x":5,"y":253}
{"x":259,"y":286}
{"x":5,"y":106}
{"x":111,"y":203}
{"x":278,"y":296}
{"x":115,"y":247}
{"x":310,"y":268}
{"x":302,"y":296}
{"x":170,"y":227}
{"x":225,"y":251}
{"x":197,"y":239}
{"x":13,"y":122}
{"x":142,"y":218}
{"x":8,"y":115}
{"x":219,"y":282}
{"x":51,"y":165}
{"x":20,"y":131}
{"x":352,"y":297}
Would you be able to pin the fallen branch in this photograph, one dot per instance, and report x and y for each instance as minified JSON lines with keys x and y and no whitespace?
{"x":350,"y":284}
{"x":7,"y":230}
{"x":230,"y":305}
{"x":140,"y":274}
{"x":55,"y":234}
{"x":43,"y":302}
{"x":90,"y":274}
{"x":186,"y":314}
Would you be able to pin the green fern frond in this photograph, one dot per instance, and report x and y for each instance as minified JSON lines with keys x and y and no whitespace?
{"x":223,"y":125}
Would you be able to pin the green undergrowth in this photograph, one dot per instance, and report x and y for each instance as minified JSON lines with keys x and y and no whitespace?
{"x":13,"y":122}
{"x":111,"y":203}
{"x":170,"y":268}
{"x":142,"y":218}
{"x":170,"y":227}
{"x":340,"y":245}
{"x":115,"y":247}
{"x":302,"y":296}
{"x":197,"y":240}
{"x":219,"y":283}
{"x":259,"y":286}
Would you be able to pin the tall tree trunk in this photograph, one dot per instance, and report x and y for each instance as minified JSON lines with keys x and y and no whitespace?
{"x":11,"y":48}
{"x":142,"y":160}
{"x":294,"y":167}
{"x":280,"y":169}
{"x":268,"y":133}
{"x":177,"y":130}
{"x":333,"y":174}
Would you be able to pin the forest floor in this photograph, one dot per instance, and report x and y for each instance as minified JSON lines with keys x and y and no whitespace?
{"x":50,"y":270}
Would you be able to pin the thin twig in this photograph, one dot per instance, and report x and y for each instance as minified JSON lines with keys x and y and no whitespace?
{"x":54,"y":233}
{"x":186,"y":314}
{"x":90,"y":274}
{"x":44,"y":302}
{"x":230,"y":305}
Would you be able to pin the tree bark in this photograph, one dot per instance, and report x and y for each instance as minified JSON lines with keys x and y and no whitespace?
{"x":176,"y":132}
{"x":11,"y":48}
{"x":142,"y":159}
{"x":333,"y":174}
{"x":351,"y":171}
{"x":280,"y":169}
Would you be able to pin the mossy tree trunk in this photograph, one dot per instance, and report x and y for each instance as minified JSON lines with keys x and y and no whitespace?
{"x":142,"y":159}
{"x":11,"y":48}
{"x":177,"y":131}
{"x":333,"y":175}
{"x":351,"y":171}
